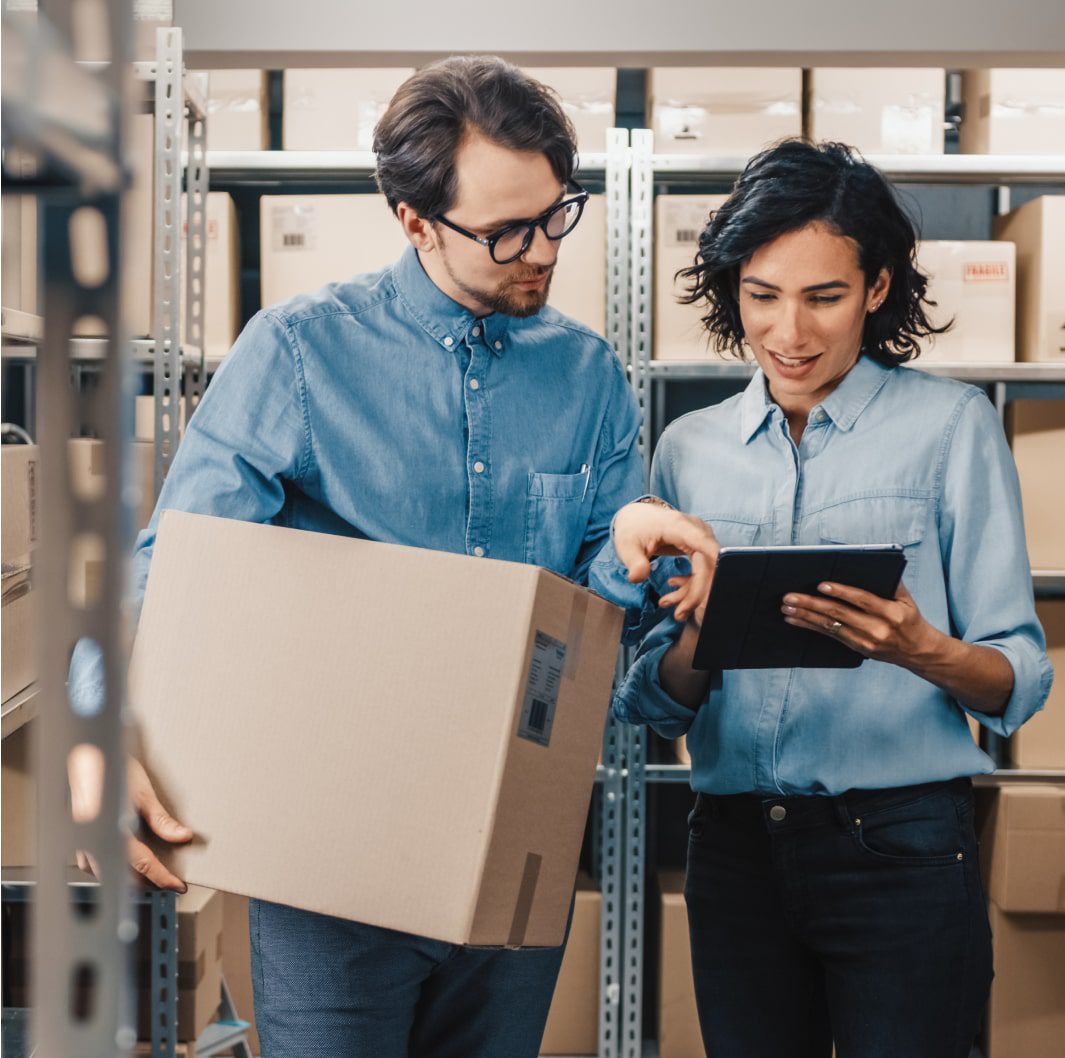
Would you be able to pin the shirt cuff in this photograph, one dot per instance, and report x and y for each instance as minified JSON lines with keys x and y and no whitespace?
{"x":1032,"y":677}
{"x":641,"y":699}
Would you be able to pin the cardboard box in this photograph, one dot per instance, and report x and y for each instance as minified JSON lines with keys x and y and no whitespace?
{"x":1013,"y":112}
{"x":497,"y":685}
{"x":144,"y":418}
{"x":573,"y":1023}
{"x":236,"y":961}
{"x":735,"y":111}
{"x":311,"y":240}
{"x":678,"y":329}
{"x":1026,"y":1016}
{"x":1040,"y":743}
{"x":1023,"y":854}
{"x":89,"y":473}
{"x":18,"y":803}
{"x":18,"y":267}
{"x":587,"y":95}
{"x":1037,"y":229}
{"x":678,"y":1017}
{"x":221,"y":292}
{"x":238,"y":115}
{"x":973,"y":283}
{"x":19,"y":470}
{"x":578,"y":286}
{"x":199,"y":941}
{"x":336,"y":109}
{"x":879,"y":111}
{"x":1037,"y":436}
{"x":680,"y":747}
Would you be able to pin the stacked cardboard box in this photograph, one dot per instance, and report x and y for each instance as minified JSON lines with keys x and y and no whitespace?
{"x":1040,"y":743}
{"x":18,"y":799}
{"x":21,"y":532}
{"x":578,"y":286}
{"x":879,"y":111}
{"x":587,"y":95}
{"x":734,"y":111}
{"x":1037,"y":229}
{"x":237,"y":111}
{"x":678,"y":1018}
{"x":221,"y":274}
{"x":1013,"y":112}
{"x":1024,"y":862}
{"x":1037,"y":436}
{"x":18,"y":267}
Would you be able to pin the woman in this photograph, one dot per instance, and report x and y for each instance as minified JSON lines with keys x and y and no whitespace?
{"x":833,"y":884}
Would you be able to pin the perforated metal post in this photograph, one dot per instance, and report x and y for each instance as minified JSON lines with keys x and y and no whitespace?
{"x":81,"y":958}
{"x":640,"y":291}
{"x":163,"y":980}
{"x":196,"y":183}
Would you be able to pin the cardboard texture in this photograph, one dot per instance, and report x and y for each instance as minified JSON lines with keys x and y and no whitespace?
{"x":739,"y":110}
{"x":1013,"y":112}
{"x":497,"y":685}
{"x":336,"y":109}
{"x":236,"y":961}
{"x":1026,"y":1016}
{"x":144,"y":418}
{"x":199,"y":977}
{"x":237,"y":111}
{"x":678,"y":1018}
{"x":573,"y":1022}
{"x":18,"y":267}
{"x":1037,"y":436}
{"x":87,"y":462}
{"x":1037,"y":229}
{"x":221,"y":267}
{"x":678,"y":329}
{"x":879,"y":111}
{"x":1040,"y":743}
{"x":19,"y":471}
{"x":311,"y":240}
{"x":18,"y":803}
{"x":973,"y":283}
{"x":578,"y":286}
{"x":587,"y":95}
{"x":680,"y":747}
{"x":1023,"y":854}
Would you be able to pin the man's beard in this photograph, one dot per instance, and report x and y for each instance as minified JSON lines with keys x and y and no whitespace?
{"x":507,"y":298}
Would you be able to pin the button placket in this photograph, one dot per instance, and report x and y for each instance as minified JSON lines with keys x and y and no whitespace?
{"x":478,"y":453}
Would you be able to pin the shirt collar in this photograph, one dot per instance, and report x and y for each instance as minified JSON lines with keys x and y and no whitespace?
{"x":843,"y":405}
{"x":442,"y":318}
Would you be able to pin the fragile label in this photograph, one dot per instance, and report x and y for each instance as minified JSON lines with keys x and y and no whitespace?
{"x":986,"y":272}
{"x":541,"y":690}
{"x":292,"y":227}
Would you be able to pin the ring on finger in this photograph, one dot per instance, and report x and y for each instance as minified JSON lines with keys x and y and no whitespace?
{"x":834,"y":626}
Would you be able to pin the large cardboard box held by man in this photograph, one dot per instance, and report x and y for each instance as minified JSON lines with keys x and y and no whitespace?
{"x":314,"y":652}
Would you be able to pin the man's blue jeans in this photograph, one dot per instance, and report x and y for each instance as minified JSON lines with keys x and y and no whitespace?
{"x":858,"y":918}
{"x":328,"y":988}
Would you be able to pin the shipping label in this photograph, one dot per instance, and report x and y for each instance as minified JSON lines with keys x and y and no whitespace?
{"x":541,"y":689}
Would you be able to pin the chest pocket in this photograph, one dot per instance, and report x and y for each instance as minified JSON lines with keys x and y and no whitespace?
{"x":878,"y":520}
{"x":731,"y":531}
{"x":557,"y":508}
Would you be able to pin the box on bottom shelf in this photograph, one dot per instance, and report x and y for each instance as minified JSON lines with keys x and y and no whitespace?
{"x":678,"y":1018}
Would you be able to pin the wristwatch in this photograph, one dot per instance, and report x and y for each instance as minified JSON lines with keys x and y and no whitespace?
{"x":657,"y":501}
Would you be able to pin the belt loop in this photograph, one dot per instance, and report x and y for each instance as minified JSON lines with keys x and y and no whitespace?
{"x":843,"y":812}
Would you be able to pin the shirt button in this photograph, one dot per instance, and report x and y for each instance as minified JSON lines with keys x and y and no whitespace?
{"x":449,"y":341}
{"x":479,"y":552}
{"x":778,"y":813}
{"x":478,"y":467}
{"x":476,"y":332}
{"x":474,"y":384}
{"x":818,"y":416}
{"x":498,"y":345}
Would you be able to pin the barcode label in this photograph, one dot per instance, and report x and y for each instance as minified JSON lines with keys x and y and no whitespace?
{"x":293,"y":238}
{"x":686,"y":235}
{"x":542,"y":689}
{"x":292,"y":226}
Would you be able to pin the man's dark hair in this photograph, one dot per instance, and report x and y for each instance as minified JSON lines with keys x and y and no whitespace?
{"x":434,"y":110}
{"x":787,"y":187}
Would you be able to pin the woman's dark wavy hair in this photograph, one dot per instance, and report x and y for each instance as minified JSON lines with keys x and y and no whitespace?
{"x":787,"y":187}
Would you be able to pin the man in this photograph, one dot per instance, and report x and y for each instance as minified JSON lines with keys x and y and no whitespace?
{"x":437,"y":403}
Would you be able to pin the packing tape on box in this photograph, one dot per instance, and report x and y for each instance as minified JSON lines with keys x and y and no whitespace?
{"x":575,"y":636}
{"x":523,"y":908}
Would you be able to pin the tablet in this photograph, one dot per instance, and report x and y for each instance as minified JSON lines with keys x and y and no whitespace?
{"x":744,"y":627}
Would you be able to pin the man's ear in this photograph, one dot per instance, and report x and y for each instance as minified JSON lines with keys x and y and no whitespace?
{"x":419,"y":231}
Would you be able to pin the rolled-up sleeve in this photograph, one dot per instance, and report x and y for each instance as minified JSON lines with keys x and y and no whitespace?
{"x":989,"y":582}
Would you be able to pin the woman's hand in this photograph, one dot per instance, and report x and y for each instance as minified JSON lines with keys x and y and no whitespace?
{"x":890,"y":630}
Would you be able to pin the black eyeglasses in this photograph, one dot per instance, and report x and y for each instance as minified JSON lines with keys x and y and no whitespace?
{"x":509,"y":243}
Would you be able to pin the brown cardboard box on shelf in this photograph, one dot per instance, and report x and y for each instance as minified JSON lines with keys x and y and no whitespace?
{"x":678,"y":329}
{"x":144,"y":418}
{"x":1037,"y":436}
{"x":497,"y":688}
{"x":1026,"y":1016}
{"x":18,"y":268}
{"x":20,"y":474}
{"x":680,"y":747}
{"x":311,"y":240}
{"x":89,"y":473}
{"x":1023,"y":853}
{"x":573,"y":1022}
{"x":1013,"y":112}
{"x":336,"y":109}
{"x":879,"y":111}
{"x":1040,"y":743}
{"x":973,"y":283}
{"x":199,"y":940}
{"x":678,"y":1018}
{"x":237,"y":111}
{"x":181,"y":1050}
{"x":734,"y":111}
{"x":18,"y":803}
{"x":221,"y":265}
{"x":1037,"y":229}
{"x":578,"y":286}
{"x":588,"y":96}
{"x":236,"y":961}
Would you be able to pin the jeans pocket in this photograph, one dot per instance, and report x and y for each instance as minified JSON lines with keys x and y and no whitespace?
{"x":931,"y":831}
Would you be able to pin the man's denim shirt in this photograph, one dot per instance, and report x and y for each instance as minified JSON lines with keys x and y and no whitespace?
{"x":891,"y":456}
{"x":380,"y":408}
